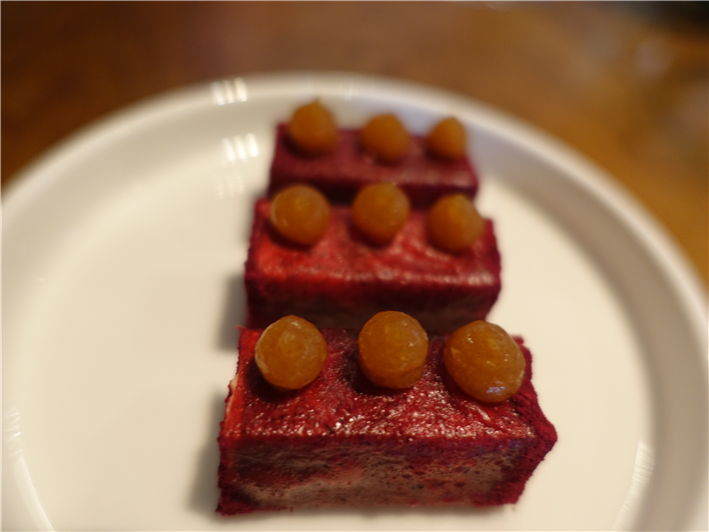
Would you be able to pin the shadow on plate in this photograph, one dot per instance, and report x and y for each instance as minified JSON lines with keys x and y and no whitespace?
{"x":205,"y":493}
{"x":233,"y":314}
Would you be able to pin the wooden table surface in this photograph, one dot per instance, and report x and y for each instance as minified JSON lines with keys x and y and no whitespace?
{"x":626,"y":84}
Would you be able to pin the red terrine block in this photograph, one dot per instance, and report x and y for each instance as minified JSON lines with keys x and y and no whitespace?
{"x":341,"y":441}
{"x":339,"y":175}
{"x":343,"y":280}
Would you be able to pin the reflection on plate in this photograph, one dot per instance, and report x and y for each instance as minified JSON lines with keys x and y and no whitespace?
{"x":123,"y":257}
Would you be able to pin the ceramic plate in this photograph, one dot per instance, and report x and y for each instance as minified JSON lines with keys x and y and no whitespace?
{"x":123,"y":254}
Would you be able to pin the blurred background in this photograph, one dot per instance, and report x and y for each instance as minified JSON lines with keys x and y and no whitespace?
{"x":624,"y":83}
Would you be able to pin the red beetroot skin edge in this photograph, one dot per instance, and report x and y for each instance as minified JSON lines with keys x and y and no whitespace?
{"x":340,"y":174}
{"x":253,"y":397}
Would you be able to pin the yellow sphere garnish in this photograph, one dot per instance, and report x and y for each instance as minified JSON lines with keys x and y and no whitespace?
{"x":300,"y":213}
{"x":454,"y":223}
{"x":392,"y":350}
{"x":385,"y":138}
{"x":313,"y":130}
{"x":380,"y":211}
{"x":484,"y":361}
{"x":290,"y":353}
{"x":447,"y":139}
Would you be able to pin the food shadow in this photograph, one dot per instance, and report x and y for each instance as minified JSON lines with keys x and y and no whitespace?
{"x":205,"y":492}
{"x":233,"y":313}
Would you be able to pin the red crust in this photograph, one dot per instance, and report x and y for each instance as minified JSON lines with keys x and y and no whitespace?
{"x":341,"y":174}
{"x":341,"y":441}
{"x":343,"y":280}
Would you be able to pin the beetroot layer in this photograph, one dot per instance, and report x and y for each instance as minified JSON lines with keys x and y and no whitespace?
{"x":342,"y":173}
{"x":343,"y":280}
{"x":341,"y":441}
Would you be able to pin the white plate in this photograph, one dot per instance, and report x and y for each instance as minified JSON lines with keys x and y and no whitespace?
{"x":123,"y":255}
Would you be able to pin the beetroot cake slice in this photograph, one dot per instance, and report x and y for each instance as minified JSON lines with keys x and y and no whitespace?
{"x":343,"y":280}
{"x":339,"y":175}
{"x":341,"y":441}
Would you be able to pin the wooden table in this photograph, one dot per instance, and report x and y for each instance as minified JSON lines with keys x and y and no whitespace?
{"x":626,"y":84}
